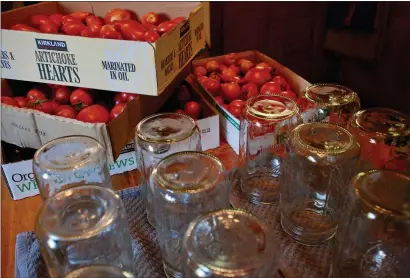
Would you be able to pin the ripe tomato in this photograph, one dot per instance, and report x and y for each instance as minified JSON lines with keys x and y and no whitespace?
{"x":151,"y":18}
{"x":80,"y":15}
{"x":62,"y":95}
{"x":117,"y":110}
{"x":271,"y":88}
{"x":215,"y":76}
{"x":108,"y":32}
{"x":94,"y":114}
{"x":149,"y":26}
{"x":94,"y":23}
{"x":38,"y":19}
{"x":219,"y":100}
{"x":151,"y":36}
{"x":132,"y":31}
{"x":23,"y":27}
{"x":43,"y":105}
{"x":70,"y":19}
{"x":49,"y":27}
{"x":124,"y":98}
{"x":202,"y":80}
{"x":225,"y":106}
{"x":165,"y":26}
{"x":282,"y":81}
{"x":212,"y":66}
{"x":73,"y":29}
{"x":21,"y":101}
{"x":57,"y":19}
{"x":290,"y":94}
{"x":230,"y":91}
{"x":249,"y":90}
{"x":178,"y":19}
{"x":200,"y":71}
{"x":229,"y":59}
{"x":80,"y":98}
{"x":235,"y":111}
{"x":212,"y":86}
{"x":9,"y":101}
{"x":87,"y":32}
{"x":192,"y":109}
{"x":116,"y":14}
{"x":55,"y":105}
{"x":66,"y":111}
{"x":237,"y":103}
{"x":35,"y":94}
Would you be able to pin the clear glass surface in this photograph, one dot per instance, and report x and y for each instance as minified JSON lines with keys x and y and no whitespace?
{"x":229,"y":243}
{"x":82,"y":226}
{"x":320,"y":163}
{"x":373,"y":239}
{"x":266,"y":122}
{"x":158,"y":136}
{"x":329,"y":103}
{"x":68,"y":162}
{"x":99,"y":271}
{"x":384,"y":136}
{"x":185,"y":185}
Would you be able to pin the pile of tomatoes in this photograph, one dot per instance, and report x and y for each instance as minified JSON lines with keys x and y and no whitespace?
{"x":117,"y":24}
{"x":184,"y":100}
{"x":233,"y":80}
{"x":74,"y":103}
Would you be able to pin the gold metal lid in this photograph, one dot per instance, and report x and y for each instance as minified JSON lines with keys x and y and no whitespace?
{"x":189,"y":171}
{"x":329,"y":94}
{"x":272,"y":107}
{"x":165,"y":128}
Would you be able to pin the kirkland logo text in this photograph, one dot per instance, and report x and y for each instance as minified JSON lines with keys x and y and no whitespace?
{"x":51,"y":45}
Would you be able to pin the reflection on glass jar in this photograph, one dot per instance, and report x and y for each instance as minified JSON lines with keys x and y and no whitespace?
{"x":266,"y":121}
{"x":320,"y":163}
{"x":384,"y":136}
{"x":158,"y":136}
{"x":373,"y":239}
{"x":329,"y":103}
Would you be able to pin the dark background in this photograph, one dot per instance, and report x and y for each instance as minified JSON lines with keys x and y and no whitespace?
{"x":362,"y":45}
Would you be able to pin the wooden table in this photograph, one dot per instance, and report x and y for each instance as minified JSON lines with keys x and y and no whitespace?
{"x":20,"y":216}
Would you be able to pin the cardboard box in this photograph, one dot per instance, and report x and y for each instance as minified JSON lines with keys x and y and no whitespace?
{"x":150,"y":67}
{"x":228,"y":123}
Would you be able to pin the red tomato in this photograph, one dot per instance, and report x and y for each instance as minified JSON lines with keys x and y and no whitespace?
{"x":192,"y":109}
{"x":151,"y":18}
{"x":43,"y":105}
{"x":236,"y":69}
{"x":38,"y":19}
{"x":237,"y":102}
{"x":282,"y":81}
{"x":87,"y":32}
{"x":228,"y":75}
{"x":49,"y":27}
{"x":9,"y":101}
{"x":81,"y":98}
{"x":117,"y":110}
{"x":249,"y":90}
{"x":200,"y":71}
{"x":165,"y":26}
{"x":178,"y":19}
{"x":62,"y":95}
{"x":35,"y":94}
{"x":94,"y":23}
{"x":263,"y":66}
{"x":70,"y":19}
{"x":108,"y":32}
{"x":215,"y":76}
{"x":73,"y":29}
{"x":219,"y":100}
{"x":57,"y":19}
{"x":124,"y":98}
{"x":23,"y":27}
{"x":212,"y":86}
{"x":21,"y":101}
{"x":54,"y":86}
{"x":80,"y":15}
{"x":149,"y":26}
{"x":202,"y":80}
{"x":94,"y":114}
{"x":235,"y":111}
{"x":225,"y":106}
{"x":151,"y":36}
{"x":118,"y":23}
{"x":55,"y":105}
{"x":212,"y":66}
{"x":290,"y":94}
{"x":131,"y":97}
{"x":271,"y":88}
{"x":229,"y":59}
{"x":230,"y":91}
{"x":116,"y":14}
{"x":66,"y":111}
{"x":133,"y":32}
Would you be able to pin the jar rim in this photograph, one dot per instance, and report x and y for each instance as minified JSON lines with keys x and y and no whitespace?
{"x":344,"y":94}
{"x":271,"y":116}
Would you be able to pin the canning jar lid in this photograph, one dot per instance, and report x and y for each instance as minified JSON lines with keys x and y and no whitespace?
{"x":165,"y":128}
{"x":188,"y":171}
{"x":323,"y":139}
{"x":329,"y":94}
{"x":272,"y":107}
{"x":382,"y":122}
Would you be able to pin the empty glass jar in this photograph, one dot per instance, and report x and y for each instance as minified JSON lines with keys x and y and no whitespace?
{"x":99,"y":271}
{"x":229,"y":243}
{"x":68,"y":162}
{"x":329,"y":103}
{"x":384,"y":136}
{"x":266,"y":122}
{"x":316,"y":173}
{"x":373,"y":239}
{"x":185,"y":185}
{"x":158,"y":136}
{"x":83,"y":226}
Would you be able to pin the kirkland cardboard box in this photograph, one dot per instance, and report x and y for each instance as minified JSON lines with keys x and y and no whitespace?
{"x":150,"y":67}
{"x":228,"y":123}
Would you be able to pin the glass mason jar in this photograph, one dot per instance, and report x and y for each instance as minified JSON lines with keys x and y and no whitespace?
{"x":384,"y":136}
{"x":320,"y":163}
{"x":229,"y":243}
{"x":266,"y":121}
{"x":158,"y":136}
{"x":329,"y":103}
{"x":82,"y":226}
{"x":185,"y":185}
{"x":99,"y":271}
{"x":373,"y":239}
{"x":68,"y":162}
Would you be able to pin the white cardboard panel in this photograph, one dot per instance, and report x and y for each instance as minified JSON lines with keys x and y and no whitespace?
{"x":209,"y":128}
